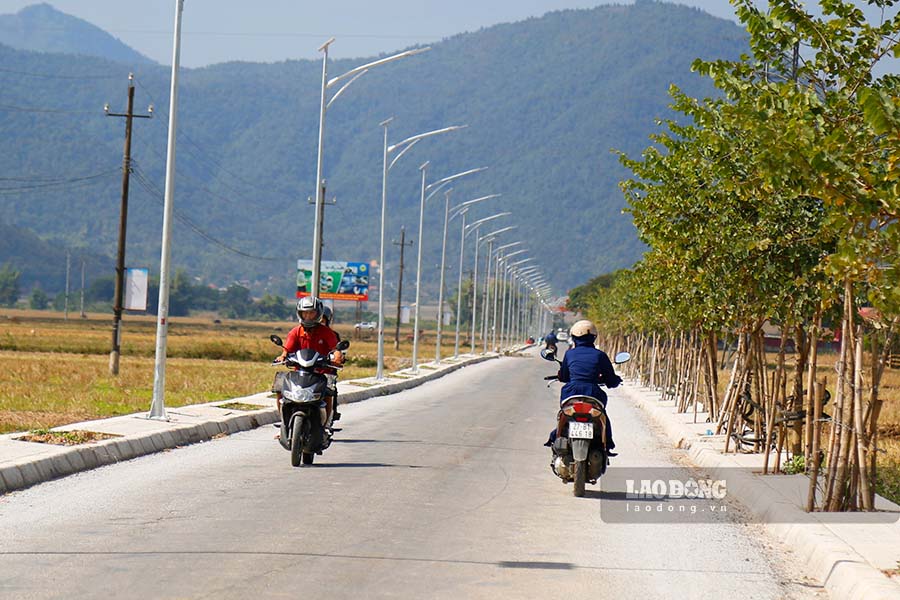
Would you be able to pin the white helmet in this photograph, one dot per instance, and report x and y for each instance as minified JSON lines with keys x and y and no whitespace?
{"x":310,"y":303}
{"x":584,"y":327}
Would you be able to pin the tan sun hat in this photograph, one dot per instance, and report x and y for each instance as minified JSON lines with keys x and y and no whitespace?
{"x":583,"y":328}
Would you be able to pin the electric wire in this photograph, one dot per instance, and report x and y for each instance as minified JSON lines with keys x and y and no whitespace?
{"x":211,"y":164}
{"x":50,"y":184}
{"x":55,"y":76}
{"x":158,"y":195}
{"x":35,"y":109}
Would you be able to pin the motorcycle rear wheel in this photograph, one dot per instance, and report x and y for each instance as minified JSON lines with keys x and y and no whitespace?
{"x":580,"y":475}
{"x":297,"y":440}
{"x":308,"y":458}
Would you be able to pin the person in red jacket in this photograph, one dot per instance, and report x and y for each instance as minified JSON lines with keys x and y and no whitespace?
{"x":312,"y":333}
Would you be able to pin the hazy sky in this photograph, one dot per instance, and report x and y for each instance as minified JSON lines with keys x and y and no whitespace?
{"x":271,"y":30}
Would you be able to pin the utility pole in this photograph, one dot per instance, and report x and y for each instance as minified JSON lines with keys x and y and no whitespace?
{"x":68,"y":269}
{"x":403,"y":244}
{"x":123,"y":221}
{"x":83,"y":316}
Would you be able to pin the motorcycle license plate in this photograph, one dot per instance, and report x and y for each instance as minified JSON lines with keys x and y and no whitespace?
{"x":581,"y":431}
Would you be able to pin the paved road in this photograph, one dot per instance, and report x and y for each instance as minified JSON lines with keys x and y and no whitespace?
{"x":440,"y":492}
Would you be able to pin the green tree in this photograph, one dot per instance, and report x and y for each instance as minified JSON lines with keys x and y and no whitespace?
{"x":236,"y":302}
{"x":38,"y":299}
{"x":273,"y":307}
{"x":181,"y":294}
{"x":9,"y":285}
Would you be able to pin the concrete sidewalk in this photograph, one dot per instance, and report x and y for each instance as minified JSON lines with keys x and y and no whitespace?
{"x":24,"y":463}
{"x":852,"y":554}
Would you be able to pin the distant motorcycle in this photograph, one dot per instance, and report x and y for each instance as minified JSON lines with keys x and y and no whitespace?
{"x":580,"y":455}
{"x":303,"y":390}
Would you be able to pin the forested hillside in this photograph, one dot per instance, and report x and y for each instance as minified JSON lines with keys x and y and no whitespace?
{"x":545,"y":101}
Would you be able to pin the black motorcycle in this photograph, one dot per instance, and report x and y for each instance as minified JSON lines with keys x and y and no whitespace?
{"x":580,"y":455}
{"x":303,"y":390}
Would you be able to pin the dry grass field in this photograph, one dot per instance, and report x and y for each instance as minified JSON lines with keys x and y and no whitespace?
{"x":54,"y":372}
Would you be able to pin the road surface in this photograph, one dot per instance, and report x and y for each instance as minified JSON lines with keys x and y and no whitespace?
{"x":443,"y":491}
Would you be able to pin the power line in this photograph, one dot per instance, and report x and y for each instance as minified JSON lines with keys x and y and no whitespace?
{"x":217,"y":167}
{"x":54,"y":76}
{"x":74,"y":182}
{"x":157,"y":195}
{"x":33,"y":109}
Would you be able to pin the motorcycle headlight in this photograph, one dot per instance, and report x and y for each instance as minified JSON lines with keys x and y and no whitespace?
{"x":299,"y":395}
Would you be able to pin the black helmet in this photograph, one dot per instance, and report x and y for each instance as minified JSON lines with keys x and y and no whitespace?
{"x":310,"y":303}
{"x":328,"y":315}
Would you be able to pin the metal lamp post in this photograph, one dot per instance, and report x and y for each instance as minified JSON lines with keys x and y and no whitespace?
{"x":324,"y":104}
{"x":476,"y":227}
{"x":460,"y":210}
{"x":158,"y":404}
{"x":509,"y":291}
{"x":403,"y":148}
{"x":440,"y":323}
{"x":433,"y":188}
{"x":487,"y":300}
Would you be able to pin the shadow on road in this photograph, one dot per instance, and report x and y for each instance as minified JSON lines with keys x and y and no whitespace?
{"x":366,"y":466}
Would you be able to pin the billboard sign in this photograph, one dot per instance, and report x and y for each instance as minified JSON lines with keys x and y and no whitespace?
{"x":337,"y":281}
{"x":136,"y":283}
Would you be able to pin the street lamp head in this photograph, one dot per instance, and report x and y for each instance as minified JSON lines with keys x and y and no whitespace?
{"x":425,"y":165}
{"x":386,"y":122}
{"x":504,"y":230}
{"x":324,"y":46}
{"x":511,"y":244}
{"x":474,"y":226}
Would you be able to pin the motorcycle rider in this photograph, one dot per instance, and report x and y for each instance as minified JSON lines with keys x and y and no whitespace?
{"x":312,"y":333}
{"x":583,"y":368}
{"x":550,"y":341}
{"x":327,"y":320}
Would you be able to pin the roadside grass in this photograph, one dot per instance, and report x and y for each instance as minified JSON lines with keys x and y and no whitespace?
{"x":55,"y":372}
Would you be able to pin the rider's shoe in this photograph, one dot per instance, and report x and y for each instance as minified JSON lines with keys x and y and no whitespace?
{"x":610,"y":453}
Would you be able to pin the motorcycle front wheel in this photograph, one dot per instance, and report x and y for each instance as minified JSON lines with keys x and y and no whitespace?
{"x":297,"y":440}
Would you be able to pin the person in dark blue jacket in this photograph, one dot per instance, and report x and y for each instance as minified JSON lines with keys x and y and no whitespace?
{"x":583,"y":368}
{"x":550,"y":341}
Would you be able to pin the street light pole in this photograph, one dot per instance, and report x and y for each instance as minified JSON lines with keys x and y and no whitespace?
{"x":487,"y":283}
{"x":320,"y":188}
{"x":415,"y":355}
{"x":379,"y":370}
{"x":158,"y":404}
{"x":460,"y":210}
{"x":440,"y":321}
{"x":434,"y":188}
{"x":476,"y":227}
{"x":324,"y":104}
{"x":403,"y":148}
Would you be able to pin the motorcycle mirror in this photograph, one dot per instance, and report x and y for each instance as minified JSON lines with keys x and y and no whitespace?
{"x":343,"y":345}
{"x":548,"y":354}
{"x":622,"y":357}
{"x":276,"y":340}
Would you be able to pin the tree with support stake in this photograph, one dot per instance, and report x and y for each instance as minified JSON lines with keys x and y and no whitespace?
{"x":123,"y":220}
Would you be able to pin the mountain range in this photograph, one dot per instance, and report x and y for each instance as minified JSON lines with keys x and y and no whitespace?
{"x":546,"y":100}
{"x":42,"y":28}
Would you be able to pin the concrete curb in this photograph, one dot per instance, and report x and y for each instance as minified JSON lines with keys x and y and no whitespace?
{"x":843,"y":571}
{"x":187,"y":425}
